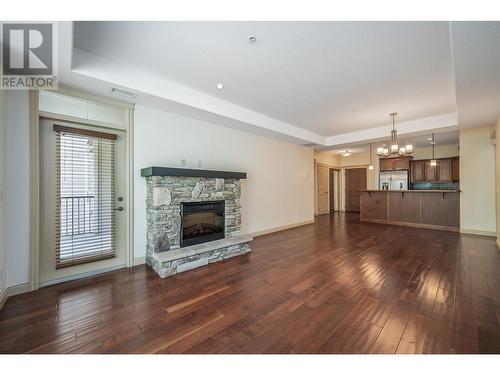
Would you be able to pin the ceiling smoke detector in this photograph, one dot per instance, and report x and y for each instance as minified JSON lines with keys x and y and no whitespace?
{"x":125,"y":93}
{"x":252,"y":39}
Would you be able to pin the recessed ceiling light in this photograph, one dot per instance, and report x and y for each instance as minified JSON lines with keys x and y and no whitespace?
{"x":252,"y":39}
{"x":220,"y":86}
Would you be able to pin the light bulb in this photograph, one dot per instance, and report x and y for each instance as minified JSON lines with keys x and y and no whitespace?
{"x":409,"y":149}
{"x":380,"y":151}
{"x":402,"y":151}
{"x":433,"y":163}
{"x":394,"y":148}
{"x":370,"y":167}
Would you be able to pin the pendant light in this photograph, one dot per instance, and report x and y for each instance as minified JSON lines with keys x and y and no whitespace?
{"x":394,"y":136}
{"x":370,"y":167}
{"x":394,"y":148}
{"x":433,"y":161}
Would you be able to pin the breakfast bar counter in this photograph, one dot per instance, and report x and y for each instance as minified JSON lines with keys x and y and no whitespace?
{"x":432,"y":209}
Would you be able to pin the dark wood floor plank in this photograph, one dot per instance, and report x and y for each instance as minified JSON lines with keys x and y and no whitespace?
{"x":388,"y":340}
{"x":337,"y":286}
{"x":413,"y":339}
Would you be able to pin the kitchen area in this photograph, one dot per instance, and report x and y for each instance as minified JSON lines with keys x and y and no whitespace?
{"x":421,"y":193}
{"x":417,"y":192}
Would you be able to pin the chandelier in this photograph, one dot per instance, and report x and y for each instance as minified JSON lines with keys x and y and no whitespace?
{"x":394,"y":150}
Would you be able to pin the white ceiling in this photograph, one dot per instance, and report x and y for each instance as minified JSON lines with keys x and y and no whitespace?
{"x":420,"y":141}
{"x":327,"y":83}
{"x":327,"y":77}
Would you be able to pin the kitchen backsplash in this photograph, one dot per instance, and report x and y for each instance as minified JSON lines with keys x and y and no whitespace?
{"x":435,"y":186}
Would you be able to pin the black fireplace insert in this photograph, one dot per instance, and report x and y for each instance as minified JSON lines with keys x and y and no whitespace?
{"x":201,"y":222}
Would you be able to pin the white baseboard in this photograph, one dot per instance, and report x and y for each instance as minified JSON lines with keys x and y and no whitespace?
{"x":3,"y":297}
{"x":139,"y":261}
{"x":80,"y":276}
{"x":18,"y":289}
{"x":478,"y":232}
{"x":280,"y":228}
{"x":13,"y":291}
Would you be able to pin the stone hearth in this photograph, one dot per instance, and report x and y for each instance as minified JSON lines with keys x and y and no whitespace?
{"x":165,"y":195}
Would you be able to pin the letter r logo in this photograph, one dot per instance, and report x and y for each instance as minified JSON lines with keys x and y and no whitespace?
{"x":27,"y":49}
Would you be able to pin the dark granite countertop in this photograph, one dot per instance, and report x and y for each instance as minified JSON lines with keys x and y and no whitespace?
{"x":414,"y":191}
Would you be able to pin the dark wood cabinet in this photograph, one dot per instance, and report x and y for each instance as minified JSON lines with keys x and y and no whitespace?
{"x":431,"y":172}
{"x":444,"y":170}
{"x":417,"y":171}
{"x":455,"y":169}
{"x":402,"y":164}
{"x":395,"y":164}
{"x":386,"y":164}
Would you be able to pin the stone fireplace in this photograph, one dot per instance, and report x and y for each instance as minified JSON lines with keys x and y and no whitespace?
{"x":193,"y":218}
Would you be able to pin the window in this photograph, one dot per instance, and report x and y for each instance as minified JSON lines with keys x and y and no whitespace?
{"x":85,"y":223}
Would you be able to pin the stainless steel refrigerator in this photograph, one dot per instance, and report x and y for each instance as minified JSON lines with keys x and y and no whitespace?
{"x":393,"y":180}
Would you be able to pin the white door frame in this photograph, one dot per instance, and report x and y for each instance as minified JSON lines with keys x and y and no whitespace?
{"x":34,"y":141}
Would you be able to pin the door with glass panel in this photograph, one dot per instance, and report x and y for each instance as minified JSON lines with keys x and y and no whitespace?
{"x":82,"y":205}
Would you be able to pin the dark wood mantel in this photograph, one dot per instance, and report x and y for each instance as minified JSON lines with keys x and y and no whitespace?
{"x":185,"y":172}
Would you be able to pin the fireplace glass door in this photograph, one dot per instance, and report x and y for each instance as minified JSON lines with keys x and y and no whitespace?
{"x":202,"y":222}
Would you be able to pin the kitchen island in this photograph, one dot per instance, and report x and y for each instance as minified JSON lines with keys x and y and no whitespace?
{"x":432,"y":209}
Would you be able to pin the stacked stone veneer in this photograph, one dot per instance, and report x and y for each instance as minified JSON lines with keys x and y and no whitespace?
{"x":165,"y":195}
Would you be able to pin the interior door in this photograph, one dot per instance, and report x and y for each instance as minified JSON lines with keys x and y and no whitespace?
{"x":332,"y":189}
{"x":355,"y":183}
{"x":82,"y":200}
{"x":322,"y":189}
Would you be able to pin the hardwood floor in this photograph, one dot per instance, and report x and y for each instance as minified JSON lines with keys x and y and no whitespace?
{"x":336,"y":286}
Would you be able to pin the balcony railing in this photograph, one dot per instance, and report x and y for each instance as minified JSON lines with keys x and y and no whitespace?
{"x":77,"y":215}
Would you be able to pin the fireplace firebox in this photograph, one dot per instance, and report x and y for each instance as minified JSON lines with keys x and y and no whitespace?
{"x":202,"y":222}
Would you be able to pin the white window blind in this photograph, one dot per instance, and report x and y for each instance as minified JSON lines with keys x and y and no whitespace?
{"x":85,"y":222}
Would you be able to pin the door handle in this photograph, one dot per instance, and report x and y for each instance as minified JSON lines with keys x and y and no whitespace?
{"x":119,"y":209}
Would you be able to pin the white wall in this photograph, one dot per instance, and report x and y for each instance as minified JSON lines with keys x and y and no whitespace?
{"x":3,"y":166}
{"x":440,"y":151}
{"x":477,"y":181}
{"x":17,"y":187}
{"x":330,"y":158}
{"x":279,"y":190}
{"x":497,"y":192}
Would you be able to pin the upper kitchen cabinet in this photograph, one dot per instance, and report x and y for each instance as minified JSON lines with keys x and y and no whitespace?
{"x":386,"y":164}
{"x":431,"y":172}
{"x":417,"y":171}
{"x":402,"y":163}
{"x":444,"y":170}
{"x":395,"y":164}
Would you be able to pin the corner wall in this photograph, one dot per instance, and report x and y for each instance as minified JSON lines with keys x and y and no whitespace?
{"x":497,"y":163}
{"x":477,"y":181}
{"x":18,"y":189}
{"x":3,"y":178}
{"x":279,"y":191}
